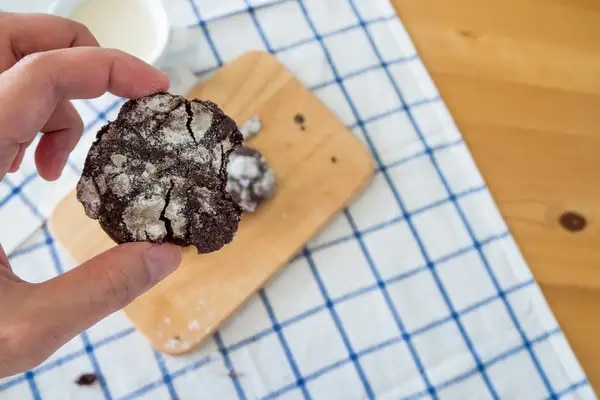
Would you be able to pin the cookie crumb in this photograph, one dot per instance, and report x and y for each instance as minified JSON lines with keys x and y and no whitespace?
{"x":251,"y":127}
{"x":86,"y":379}
{"x":300,"y":120}
{"x":194,"y":325}
{"x":251,"y":180}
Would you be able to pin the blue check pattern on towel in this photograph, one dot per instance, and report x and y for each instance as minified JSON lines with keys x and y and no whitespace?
{"x":416,"y":291}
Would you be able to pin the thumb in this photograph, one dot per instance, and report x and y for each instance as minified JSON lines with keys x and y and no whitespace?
{"x":83,"y":296}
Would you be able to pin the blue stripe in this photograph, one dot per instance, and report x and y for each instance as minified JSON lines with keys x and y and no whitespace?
{"x":414,"y":354}
{"x":350,"y":75}
{"x":13,"y":382}
{"x":101,"y":114}
{"x":442,"y":146}
{"x":334,"y":33}
{"x":471,"y":308}
{"x":570,"y":389}
{"x":338,"y":324}
{"x":143,"y":390}
{"x":364,"y":70}
{"x":501,"y":357}
{"x":462,"y":216}
{"x":388,"y":300}
{"x":84,"y":336}
{"x":259,"y":28}
{"x":18,"y":192}
{"x":229,"y":365}
{"x":388,"y":113}
{"x":154,"y":385}
{"x":16,"y":189}
{"x":264,"y":333}
{"x":26,"y":250}
{"x":286,"y":348}
{"x":203,"y":25}
{"x":217,"y":336}
{"x":64,"y":359}
{"x":361,"y":124}
{"x":240,"y":11}
{"x":309,"y":377}
{"x":381,"y":346}
{"x":300,"y":43}
{"x":393,"y":221}
{"x":167,"y":378}
{"x":242,"y":343}
{"x":35,"y":392}
{"x":253,"y":9}
{"x":263,"y":296}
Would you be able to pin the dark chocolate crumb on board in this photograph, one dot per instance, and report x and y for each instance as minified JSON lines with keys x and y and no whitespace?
{"x":467,"y":34}
{"x":300,"y":120}
{"x":572,"y":221}
{"x":158,"y":173}
{"x":86,"y":379}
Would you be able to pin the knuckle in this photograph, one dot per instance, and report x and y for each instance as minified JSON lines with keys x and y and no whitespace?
{"x":15,"y":337}
{"x":116,"y":53}
{"x":80,"y":29}
{"x":32,"y":60}
{"x":21,"y":344}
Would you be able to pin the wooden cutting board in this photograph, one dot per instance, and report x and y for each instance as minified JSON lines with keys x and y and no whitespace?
{"x":319,"y":168}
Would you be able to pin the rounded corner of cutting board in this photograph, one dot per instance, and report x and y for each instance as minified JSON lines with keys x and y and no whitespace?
{"x":369,"y":161}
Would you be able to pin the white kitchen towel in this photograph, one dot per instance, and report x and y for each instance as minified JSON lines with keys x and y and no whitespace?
{"x":417,"y":290}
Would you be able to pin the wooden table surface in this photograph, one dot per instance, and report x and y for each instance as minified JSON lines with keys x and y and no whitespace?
{"x":522,"y":80}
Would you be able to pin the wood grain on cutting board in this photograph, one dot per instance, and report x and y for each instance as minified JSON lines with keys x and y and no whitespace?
{"x":522,"y":80}
{"x":319,"y":168}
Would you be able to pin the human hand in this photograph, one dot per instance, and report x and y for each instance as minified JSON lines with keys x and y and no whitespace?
{"x":45,"y":62}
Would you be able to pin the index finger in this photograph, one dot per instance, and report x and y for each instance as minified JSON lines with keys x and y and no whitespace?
{"x":38,"y":82}
{"x":33,"y":33}
{"x":30,"y":91}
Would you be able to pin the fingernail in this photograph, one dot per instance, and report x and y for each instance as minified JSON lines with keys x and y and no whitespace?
{"x":161,"y":261}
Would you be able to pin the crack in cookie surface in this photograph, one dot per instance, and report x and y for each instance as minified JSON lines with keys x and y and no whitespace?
{"x":158,"y":173}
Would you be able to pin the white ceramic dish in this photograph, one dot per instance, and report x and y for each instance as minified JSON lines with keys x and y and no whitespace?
{"x":144,"y":35}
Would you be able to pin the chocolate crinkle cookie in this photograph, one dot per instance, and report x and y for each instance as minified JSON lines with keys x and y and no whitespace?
{"x":250,"y":178}
{"x":158,"y":173}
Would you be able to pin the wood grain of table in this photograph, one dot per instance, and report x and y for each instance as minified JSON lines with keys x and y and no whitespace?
{"x":522,"y":81}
